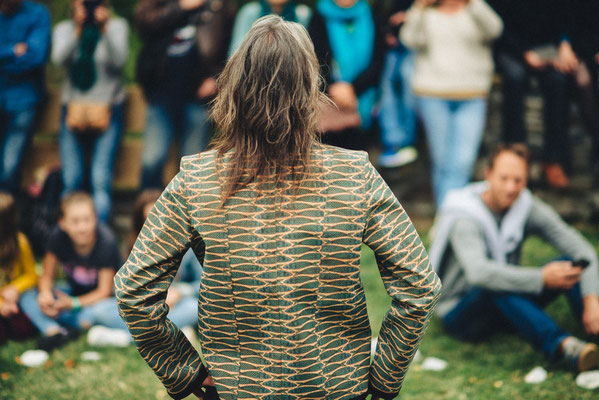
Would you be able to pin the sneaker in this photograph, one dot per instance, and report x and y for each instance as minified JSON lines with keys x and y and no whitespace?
{"x":49,"y":343}
{"x":555,"y":176}
{"x":399,"y":158}
{"x":582,"y":355}
{"x":99,"y":335}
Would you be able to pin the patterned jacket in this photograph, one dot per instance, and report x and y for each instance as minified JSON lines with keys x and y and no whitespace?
{"x":282,"y":311}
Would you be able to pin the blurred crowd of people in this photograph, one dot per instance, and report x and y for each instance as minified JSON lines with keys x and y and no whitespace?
{"x":396,"y":65}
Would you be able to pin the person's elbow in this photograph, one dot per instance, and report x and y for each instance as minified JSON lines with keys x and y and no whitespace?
{"x":122,"y":291}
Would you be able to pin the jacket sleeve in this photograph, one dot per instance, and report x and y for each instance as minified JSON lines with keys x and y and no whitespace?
{"x":117,"y":42}
{"x":470,"y":250}
{"x":408,"y":278}
{"x":64,"y":44}
{"x":412,"y":33}
{"x":546,"y":222}
{"x":27,"y":277}
{"x":486,"y":19}
{"x":155,"y":18}
{"x":38,"y":46}
{"x":141,"y":286}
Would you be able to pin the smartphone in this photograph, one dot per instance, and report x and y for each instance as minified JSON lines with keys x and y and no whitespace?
{"x":582,"y":263}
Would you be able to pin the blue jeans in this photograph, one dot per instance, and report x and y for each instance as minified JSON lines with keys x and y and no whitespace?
{"x":481,"y":313}
{"x":16,"y":130}
{"x":104,"y":312}
{"x":102,"y":149}
{"x":454,"y":130}
{"x":187,"y":122}
{"x":397,"y":103}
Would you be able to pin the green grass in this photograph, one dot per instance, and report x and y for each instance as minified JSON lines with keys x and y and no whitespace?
{"x":491,"y":370}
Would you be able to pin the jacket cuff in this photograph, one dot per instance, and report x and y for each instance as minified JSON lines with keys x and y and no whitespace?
{"x":375,"y":392}
{"x":195,"y":386}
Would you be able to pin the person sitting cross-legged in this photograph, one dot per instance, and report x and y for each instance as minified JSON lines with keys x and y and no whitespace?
{"x":476,"y":249}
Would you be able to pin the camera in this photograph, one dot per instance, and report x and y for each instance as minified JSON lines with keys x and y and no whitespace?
{"x":90,"y":8}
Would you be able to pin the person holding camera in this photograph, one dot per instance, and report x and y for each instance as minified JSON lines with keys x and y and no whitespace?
{"x":24,"y":48}
{"x":93,"y":48}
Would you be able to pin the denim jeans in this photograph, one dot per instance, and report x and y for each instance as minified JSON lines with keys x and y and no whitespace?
{"x":397,"y":103}
{"x":16,"y":130}
{"x":481,"y":313}
{"x":187,"y":122}
{"x":102,"y":149}
{"x":554,"y":88}
{"x":454,"y":130}
{"x":104,"y":312}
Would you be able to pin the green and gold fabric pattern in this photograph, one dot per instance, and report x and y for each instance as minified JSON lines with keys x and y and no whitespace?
{"x":282,"y":311}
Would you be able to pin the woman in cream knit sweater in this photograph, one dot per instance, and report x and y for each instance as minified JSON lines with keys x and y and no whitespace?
{"x":454,"y":67}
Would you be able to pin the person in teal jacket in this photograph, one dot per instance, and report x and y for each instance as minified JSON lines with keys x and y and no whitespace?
{"x":278,"y":221}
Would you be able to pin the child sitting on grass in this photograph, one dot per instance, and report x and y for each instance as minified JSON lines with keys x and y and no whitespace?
{"x":17,"y":272}
{"x":89,"y":255}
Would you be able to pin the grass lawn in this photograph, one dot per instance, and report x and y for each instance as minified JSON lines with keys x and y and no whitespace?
{"x":493,"y":370}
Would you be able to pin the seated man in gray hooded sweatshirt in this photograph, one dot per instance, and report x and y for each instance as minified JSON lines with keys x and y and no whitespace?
{"x":476,"y":249}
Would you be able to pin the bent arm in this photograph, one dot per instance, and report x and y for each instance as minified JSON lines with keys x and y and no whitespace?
{"x":28,"y":277}
{"x":549,"y":225}
{"x":469,"y":247}
{"x":117,"y":43}
{"x":38,"y":45}
{"x":141,"y":286}
{"x":488,"y":22}
{"x":155,"y":18}
{"x":64,"y":44}
{"x":412,"y":33}
{"x":409,"y":280}
{"x":104,"y":289}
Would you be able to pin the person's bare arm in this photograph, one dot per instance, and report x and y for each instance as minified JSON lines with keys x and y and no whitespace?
{"x":45,"y":284}
{"x":104,"y":289}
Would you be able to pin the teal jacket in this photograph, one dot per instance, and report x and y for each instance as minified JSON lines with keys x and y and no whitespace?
{"x":282,"y":311}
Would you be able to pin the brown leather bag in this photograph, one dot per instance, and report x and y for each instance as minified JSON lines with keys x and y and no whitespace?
{"x":84,"y":117}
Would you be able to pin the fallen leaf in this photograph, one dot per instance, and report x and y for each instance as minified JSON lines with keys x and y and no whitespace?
{"x":498,"y":384}
{"x":472,"y":379}
{"x":18,"y":360}
{"x":5,"y":376}
{"x":69,"y":364}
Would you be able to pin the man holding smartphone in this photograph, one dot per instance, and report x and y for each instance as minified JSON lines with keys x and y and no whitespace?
{"x":476,"y":251}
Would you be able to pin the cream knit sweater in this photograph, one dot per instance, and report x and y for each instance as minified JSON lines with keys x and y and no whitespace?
{"x":453,"y":50}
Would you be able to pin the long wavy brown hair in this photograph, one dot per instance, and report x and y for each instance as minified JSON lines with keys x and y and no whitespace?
{"x":9,"y":230}
{"x":267,"y":105}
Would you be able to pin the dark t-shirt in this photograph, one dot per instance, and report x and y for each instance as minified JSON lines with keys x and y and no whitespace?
{"x":82,"y":271}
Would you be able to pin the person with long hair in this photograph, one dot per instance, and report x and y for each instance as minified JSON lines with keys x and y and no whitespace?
{"x":278,"y":221}
{"x":17,"y":272}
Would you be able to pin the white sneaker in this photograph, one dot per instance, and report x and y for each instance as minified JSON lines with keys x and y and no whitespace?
{"x":99,"y":335}
{"x":401,"y":157}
